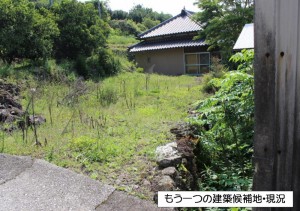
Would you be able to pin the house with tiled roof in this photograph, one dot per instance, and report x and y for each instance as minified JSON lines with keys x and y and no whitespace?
{"x":170,"y":48}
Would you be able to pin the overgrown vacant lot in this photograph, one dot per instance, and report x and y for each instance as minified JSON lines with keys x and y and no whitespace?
{"x":108,"y":130}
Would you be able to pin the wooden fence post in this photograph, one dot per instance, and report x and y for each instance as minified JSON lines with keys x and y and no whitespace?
{"x":277,"y":98}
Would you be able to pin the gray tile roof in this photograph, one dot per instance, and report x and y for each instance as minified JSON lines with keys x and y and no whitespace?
{"x":146,"y":46}
{"x":182,"y":23}
{"x":246,"y":38}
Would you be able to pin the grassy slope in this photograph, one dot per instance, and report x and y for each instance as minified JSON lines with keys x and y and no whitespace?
{"x":119,"y":45}
{"x":111,"y":132}
{"x":116,"y":41}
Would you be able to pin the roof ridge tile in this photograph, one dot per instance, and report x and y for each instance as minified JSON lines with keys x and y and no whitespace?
{"x":181,"y":25}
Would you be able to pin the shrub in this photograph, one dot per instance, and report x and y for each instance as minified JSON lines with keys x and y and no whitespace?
{"x":59,"y":72}
{"x":81,"y":30}
{"x":225,"y":126}
{"x":244,"y":60}
{"x":127,"y":27}
{"x":107,"y":95}
{"x":217,"y":70}
{"x":207,"y":86}
{"x":25,"y":32}
{"x":81,"y":66}
{"x":103,"y":63}
{"x":6,"y":70}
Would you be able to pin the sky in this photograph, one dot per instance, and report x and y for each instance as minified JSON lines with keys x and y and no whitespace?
{"x":172,"y":7}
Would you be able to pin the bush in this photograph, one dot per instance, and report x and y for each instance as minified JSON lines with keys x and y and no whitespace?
{"x":103,"y":63}
{"x":6,"y":70}
{"x":25,"y":32}
{"x":217,"y":70}
{"x":58,"y":72}
{"x":207,"y":86}
{"x":81,"y":66}
{"x":226,"y":126}
{"x":81,"y":30}
{"x":108,"y":95}
{"x":127,"y":27}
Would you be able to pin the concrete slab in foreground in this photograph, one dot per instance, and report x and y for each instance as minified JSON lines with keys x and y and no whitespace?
{"x":27,"y":184}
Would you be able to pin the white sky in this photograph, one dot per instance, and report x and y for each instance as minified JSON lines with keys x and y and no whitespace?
{"x":172,"y":7}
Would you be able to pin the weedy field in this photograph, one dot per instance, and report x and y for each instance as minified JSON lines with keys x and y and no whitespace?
{"x":108,"y":130}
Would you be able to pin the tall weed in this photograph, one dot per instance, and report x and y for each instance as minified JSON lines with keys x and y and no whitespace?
{"x":107,"y":95}
{"x":6,"y":71}
{"x":217,"y":70}
{"x":226,"y":127}
{"x":109,"y":128}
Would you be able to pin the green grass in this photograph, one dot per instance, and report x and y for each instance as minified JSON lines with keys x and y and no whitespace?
{"x":112,"y":130}
{"x":119,"y":45}
{"x":121,"y":40}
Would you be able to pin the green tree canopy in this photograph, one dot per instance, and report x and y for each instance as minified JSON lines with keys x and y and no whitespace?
{"x":137,"y":20}
{"x":222,"y":21}
{"x":149,"y":23}
{"x":81,"y":29}
{"x":101,"y":7}
{"x":24,"y":31}
{"x":127,"y":27}
{"x":138,"y":13}
{"x":118,"y":15}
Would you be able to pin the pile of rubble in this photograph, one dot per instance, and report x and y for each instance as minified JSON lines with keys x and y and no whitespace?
{"x":176,"y":162}
{"x":10,"y":110}
{"x":12,"y":115}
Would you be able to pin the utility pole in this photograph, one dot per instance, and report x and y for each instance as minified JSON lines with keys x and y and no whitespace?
{"x":277,"y":98}
{"x":51,"y":3}
{"x":99,"y":8}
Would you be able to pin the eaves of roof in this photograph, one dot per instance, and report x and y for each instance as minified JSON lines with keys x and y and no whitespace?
{"x":146,"y":46}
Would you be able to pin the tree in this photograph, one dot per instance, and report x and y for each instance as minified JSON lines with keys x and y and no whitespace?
{"x":139,"y":13}
{"x":81,"y":29}
{"x":118,"y":15}
{"x":138,"y":19}
{"x":126,"y":27}
{"x":101,"y":7}
{"x":149,"y":23}
{"x":222,"y":21}
{"x":24,"y":31}
{"x":161,"y":16}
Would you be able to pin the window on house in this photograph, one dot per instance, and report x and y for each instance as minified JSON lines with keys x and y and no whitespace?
{"x":197,"y":63}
